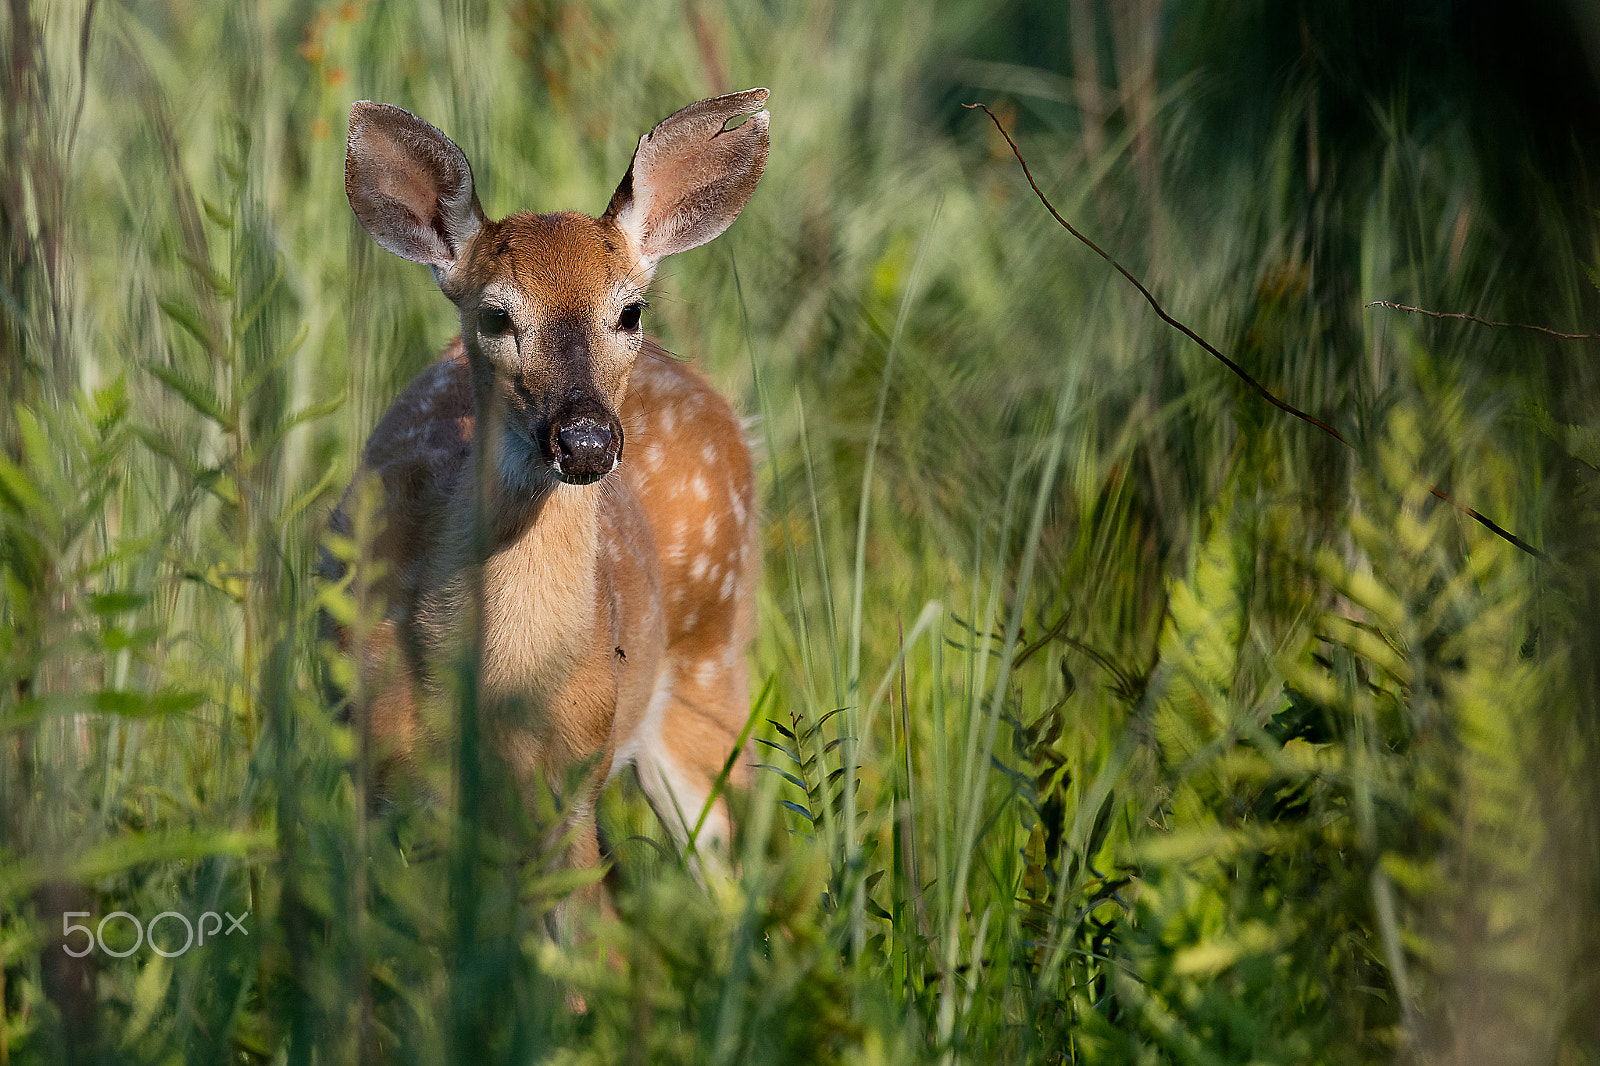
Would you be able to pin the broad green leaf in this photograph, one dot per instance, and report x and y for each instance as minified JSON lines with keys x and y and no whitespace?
{"x":196,"y":395}
{"x":209,"y":274}
{"x":277,"y":359}
{"x":309,"y":413}
{"x":124,"y":703}
{"x":117,"y":602}
{"x":217,"y":214}
{"x":189,"y":319}
{"x":297,"y":505}
{"x":23,"y":495}
{"x":127,"y":850}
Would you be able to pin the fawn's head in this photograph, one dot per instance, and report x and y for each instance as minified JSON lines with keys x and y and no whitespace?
{"x":550,"y":304}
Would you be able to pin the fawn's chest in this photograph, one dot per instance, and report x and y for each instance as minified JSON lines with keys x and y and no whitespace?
{"x":570,"y":604}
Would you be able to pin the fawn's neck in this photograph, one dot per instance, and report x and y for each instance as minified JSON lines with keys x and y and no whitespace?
{"x":538,"y":585}
{"x":539,"y":592}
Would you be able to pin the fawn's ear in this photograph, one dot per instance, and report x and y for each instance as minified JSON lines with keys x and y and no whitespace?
{"x":409,"y":185}
{"x":690,"y":177}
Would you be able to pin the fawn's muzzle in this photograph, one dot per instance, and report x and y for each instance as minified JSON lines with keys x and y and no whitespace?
{"x":585,"y":450}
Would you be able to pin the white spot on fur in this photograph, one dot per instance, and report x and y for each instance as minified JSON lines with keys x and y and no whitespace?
{"x":709,"y":531}
{"x":727,"y":584}
{"x":689,"y":621}
{"x":698,"y":486}
{"x":708,"y":673}
{"x":698,"y":569}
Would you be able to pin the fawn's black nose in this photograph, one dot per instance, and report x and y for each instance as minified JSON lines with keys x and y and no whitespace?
{"x":585,"y":451}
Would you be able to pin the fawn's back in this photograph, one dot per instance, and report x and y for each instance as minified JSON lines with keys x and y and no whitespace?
{"x":557,"y":496}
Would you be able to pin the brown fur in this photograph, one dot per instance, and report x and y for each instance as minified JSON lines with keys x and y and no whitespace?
{"x":611,"y":608}
{"x":659,"y":560}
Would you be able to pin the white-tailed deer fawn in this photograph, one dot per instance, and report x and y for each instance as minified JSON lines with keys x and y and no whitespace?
{"x":617,"y":559}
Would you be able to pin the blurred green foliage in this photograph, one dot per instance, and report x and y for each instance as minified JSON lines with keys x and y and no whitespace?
{"x":1111,"y":715}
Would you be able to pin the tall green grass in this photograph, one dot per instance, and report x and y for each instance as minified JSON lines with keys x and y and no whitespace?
{"x":1108,"y":715}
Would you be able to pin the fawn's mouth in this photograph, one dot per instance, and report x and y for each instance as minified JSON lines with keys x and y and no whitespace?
{"x":567,"y":478}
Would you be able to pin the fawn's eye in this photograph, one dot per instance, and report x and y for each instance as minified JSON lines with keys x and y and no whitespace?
{"x":628,"y":321}
{"x":492,"y":321}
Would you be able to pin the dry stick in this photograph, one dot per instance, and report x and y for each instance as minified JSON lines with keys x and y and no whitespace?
{"x":1483,"y":321}
{"x":1239,"y":371}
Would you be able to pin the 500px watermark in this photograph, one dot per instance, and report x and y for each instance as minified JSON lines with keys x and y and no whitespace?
{"x":95,"y":938}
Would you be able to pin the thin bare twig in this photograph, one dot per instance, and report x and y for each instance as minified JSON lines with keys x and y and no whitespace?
{"x":1050,"y":634}
{"x":1155,"y":304}
{"x":1487,"y":523}
{"x":1483,"y":321}
{"x":1239,"y":371}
